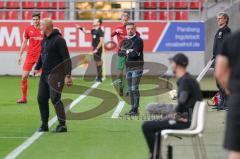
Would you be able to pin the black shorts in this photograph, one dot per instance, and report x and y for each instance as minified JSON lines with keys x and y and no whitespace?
{"x":232,"y":134}
{"x":98,"y":56}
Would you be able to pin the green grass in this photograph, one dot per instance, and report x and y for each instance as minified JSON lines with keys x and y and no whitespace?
{"x":97,"y":138}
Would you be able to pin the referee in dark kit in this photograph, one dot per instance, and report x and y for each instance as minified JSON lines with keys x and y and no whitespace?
{"x":54,"y":52}
{"x":227,"y":72}
{"x":97,"y":43}
{"x":134,"y":65}
{"x":222,"y":33}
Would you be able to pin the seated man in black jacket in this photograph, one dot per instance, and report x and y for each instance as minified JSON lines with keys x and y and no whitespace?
{"x":188,"y":94}
{"x":132,"y":48}
{"x":54,"y":54}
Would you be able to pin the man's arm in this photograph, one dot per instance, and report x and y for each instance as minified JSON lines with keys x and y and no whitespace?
{"x":100,"y":43}
{"x":39,"y":63}
{"x":222,"y":71}
{"x":63,"y":51}
{"x":83,"y":30}
{"x":137,"y":49}
{"x":116,"y":31}
{"x":219,"y":46}
{"x":22,"y":48}
{"x":183,"y":96}
{"x":113,"y":33}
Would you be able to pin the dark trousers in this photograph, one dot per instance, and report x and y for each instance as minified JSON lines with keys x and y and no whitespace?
{"x":46,"y":92}
{"x":152,"y":129}
{"x":222,"y":95}
{"x":133,"y":80}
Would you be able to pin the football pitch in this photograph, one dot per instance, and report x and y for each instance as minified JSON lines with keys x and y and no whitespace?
{"x":101,"y":137}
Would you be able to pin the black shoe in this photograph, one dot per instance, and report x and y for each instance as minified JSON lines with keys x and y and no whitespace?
{"x":132,"y":113}
{"x":215,"y":107}
{"x":220,"y":109}
{"x":61,"y":128}
{"x":43,"y":128}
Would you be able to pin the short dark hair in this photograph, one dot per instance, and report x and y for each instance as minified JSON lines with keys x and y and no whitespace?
{"x":36,"y":15}
{"x":225,"y":16}
{"x":130,"y":23}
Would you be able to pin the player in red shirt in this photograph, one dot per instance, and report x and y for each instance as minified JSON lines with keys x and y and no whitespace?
{"x":121,"y":33}
{"x":34,"y":36}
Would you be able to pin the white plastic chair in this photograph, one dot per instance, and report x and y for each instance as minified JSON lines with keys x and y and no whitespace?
{"x":195,"y":131}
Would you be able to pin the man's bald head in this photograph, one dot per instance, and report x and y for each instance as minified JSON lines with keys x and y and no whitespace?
{"x":46,"y":26}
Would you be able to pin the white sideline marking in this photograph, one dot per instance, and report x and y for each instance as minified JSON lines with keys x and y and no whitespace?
{"x":118,"y":110}
{"x":17,"y":151}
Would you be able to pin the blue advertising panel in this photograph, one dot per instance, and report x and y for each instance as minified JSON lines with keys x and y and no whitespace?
{"x":182,"y":36}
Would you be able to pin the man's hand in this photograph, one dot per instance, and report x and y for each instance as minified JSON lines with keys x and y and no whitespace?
{"x":79,"y":27}
{"x":20,"y":60}
{"x":69,"y":81}
{"x":128,"y":51}
{"x":118,"y":31}
{"x":95,"y":51}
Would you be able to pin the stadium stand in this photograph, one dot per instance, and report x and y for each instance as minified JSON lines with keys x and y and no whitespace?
{"x":166,"y":15}
{"x":1,"y":4}
{"x":59,"y":9}
{"x":11,"y":15}
{"x":59,"y":4}
{"x":12,"y":5}
{"x":43,"y":5}
{"x":28,"y":4}
{"x":27,"y":15}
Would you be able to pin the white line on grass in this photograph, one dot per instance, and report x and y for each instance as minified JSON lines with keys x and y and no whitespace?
{"x":17,"y":151}
{"x":118,"y":110}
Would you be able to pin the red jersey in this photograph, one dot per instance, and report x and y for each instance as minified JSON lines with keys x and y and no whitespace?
{"x":35,"y":37}
{"x":122,"y":34}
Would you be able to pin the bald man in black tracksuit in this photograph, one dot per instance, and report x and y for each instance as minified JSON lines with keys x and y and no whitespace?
{"x":56,"y":67}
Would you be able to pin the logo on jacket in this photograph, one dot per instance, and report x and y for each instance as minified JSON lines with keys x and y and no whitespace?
{"x":220,"y":35}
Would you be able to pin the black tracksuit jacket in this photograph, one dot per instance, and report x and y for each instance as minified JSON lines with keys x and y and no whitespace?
{"x":134,"y":59}
{"x":54,"y":52}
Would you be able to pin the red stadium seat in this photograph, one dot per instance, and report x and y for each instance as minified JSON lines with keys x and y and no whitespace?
{"x":43,"y":4}
{"x":1,"y":4}
{"x":164,"y":15}
{"x":181,"y":15}
{"x":44,"y":14}
{"x":181,"y":4}
{"x":165,"y":4}
{"x":28,"y":4}
{"x":27,"y":15}
{"x":12,"y":5}
{"x":61,"y":15}
{"x":150,"y":5}
{"x":196,"y":4}
{"x":150,"y":15}
{"x":1,"y":15}
{"x":60,"y":5}
{"x":11,"y":15}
